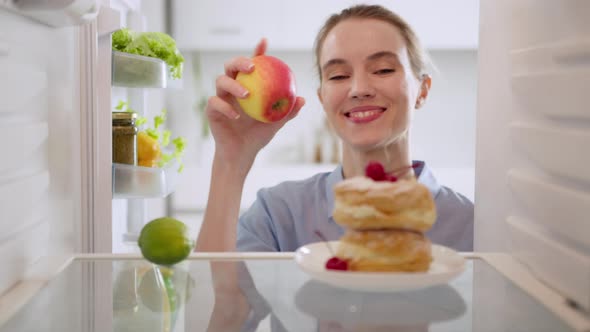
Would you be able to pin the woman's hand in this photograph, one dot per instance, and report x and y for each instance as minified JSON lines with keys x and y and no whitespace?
{"x":239,"y":138}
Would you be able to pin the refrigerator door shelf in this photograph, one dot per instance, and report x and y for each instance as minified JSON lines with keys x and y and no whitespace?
{"x":531,"y":24}
{"x":27,"y":86}
{"x":21,"y":142}
{"x":535,"y":93}
{"x":30,"y":244}
{"x":551,"y":57}
{"x":555,"y":149}
{"x":23,"y":200}
{"x":560,"y":266}
{"x":136,"y":71}
{"x":144,"y":182}
{"x":552,"y":204}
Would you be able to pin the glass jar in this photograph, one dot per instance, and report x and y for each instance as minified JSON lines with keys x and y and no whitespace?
{"x":124,"y":138}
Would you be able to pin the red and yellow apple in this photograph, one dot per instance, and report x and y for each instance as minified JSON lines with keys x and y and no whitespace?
{"x":272,"y":89}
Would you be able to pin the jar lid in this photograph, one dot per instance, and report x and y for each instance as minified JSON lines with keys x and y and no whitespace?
{"x":124,"y":115}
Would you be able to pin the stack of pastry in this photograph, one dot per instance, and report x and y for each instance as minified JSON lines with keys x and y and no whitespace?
{"x":385,"y":220}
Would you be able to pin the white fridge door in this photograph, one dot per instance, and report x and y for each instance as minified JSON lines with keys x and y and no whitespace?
{"x":533,"y":138}
{"x":40,"y":107}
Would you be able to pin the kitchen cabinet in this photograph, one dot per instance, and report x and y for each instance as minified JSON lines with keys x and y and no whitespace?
{"x":440,"y":25}
{"x":225,"y":24}
{"x":230,"y":25}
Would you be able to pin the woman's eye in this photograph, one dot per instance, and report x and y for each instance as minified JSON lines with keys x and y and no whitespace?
{"x":385,"y":71}
{"x":337,"y":77}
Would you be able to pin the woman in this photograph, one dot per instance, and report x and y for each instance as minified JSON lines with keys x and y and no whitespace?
{"x":372,"y":78}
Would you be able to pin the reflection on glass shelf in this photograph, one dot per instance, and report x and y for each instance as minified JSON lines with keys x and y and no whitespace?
{"x":148,"y":297}
{"x":186,"y":297}
{"x":144,"y":182}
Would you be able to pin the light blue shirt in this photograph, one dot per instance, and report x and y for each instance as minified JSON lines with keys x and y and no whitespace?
{"x":286,"y":216}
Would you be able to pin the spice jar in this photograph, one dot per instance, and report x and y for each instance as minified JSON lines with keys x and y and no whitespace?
{"x":124,"y":138}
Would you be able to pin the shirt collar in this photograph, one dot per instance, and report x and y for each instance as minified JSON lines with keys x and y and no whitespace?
{"x":426,"y":177}
{"x":424,"y":174}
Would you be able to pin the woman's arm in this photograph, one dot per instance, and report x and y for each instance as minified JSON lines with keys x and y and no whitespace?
{"x":219,"y":229}
{"x":238,"y":139}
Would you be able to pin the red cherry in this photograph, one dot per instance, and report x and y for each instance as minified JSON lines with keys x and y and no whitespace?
{"x":336,"y":263}
{"x":333,"y":263}
{"x":391,"y":178}
{"x":375,"y":171}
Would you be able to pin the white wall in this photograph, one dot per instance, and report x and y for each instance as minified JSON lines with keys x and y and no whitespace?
{"x":443,"y":131}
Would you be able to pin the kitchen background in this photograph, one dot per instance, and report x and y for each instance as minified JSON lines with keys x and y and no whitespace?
{"x":208,"y":34}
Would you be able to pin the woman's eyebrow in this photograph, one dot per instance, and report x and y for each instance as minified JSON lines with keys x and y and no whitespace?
{"x":372,"y":57}
{"x":383,"y":54}
{"x":333,"y":62}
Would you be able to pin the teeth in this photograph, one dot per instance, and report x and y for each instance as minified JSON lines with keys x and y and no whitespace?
{"x":360,"y":115}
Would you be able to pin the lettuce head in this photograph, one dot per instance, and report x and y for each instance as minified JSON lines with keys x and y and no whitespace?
{"x":153,"y":44}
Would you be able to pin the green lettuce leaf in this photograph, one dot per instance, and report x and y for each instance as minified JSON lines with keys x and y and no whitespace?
{"x":153,"y":44}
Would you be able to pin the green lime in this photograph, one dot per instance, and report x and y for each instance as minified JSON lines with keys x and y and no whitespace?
{"x":165,"y":241}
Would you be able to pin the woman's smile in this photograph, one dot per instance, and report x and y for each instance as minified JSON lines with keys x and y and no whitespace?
{"x":364,"y":114}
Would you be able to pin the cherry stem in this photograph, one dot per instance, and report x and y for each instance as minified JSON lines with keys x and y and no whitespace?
{"x":414,"y":165}
{"x":318,"y":233}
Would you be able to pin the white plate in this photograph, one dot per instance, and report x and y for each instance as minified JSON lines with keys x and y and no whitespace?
{"x":446,"y":265}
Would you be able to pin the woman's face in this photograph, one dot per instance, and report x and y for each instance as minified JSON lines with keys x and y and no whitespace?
{"x":368,"y":89}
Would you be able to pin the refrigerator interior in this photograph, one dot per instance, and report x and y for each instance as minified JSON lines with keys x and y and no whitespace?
{"x":532,"y":187}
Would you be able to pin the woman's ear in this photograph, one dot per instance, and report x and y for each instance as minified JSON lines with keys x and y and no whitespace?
{"x":320,"y":95}
{"x":425,"y":83}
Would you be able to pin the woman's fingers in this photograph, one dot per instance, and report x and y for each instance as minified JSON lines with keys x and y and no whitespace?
{"x":216,"y":105}
{"x":225,"y":86}
{"x":261,"y":47}
{"x":299,"y":102}
{"x":244,"y":64}
{"x":236,"y":65}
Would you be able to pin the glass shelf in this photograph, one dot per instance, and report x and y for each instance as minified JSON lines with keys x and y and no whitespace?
{"x":131,"y":181}
{"x":130,"y":294}
{"x":136,"y":71}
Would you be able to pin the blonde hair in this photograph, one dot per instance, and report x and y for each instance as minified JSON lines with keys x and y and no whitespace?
{"x":418,"y":56}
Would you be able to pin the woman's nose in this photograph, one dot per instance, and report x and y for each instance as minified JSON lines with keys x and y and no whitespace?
{"x":361,"y":87}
